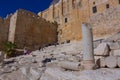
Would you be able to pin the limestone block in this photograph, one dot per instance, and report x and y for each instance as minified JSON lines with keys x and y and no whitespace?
{"x":6,"y":70}
{"x":72,"y":58}
{"x":111,"y":61}
{"x":88,"y":65}
{"x":115,"y":45}
{"x":102,"y":62}
{"x":111,"y":52}
{"x":31,"y":73}
{"x":70,"y":65}
{"x":34,"y":61}
{"x":40,"y":64}
{"x":115,"y":37}
{"x":52,"y":63}
{"x":116,"y":52}
{"x":35,"y":74}
{"x":79,"y":57}
{"x":97,"y":42}
{"x":14,"y":68}
{"x":102,"y":50}
{"x":118,"y":62}
{"x":57,"y":74}
{"x":25,"y":70}
{"x":97,"y":57}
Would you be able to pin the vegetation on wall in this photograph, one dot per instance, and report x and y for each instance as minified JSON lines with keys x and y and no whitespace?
{"x":10,"y":49}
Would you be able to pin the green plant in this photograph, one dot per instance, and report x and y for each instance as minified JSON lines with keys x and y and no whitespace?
{"x":10,"y":49}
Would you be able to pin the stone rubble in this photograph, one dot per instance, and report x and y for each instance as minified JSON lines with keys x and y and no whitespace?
{"x":61,"y":63}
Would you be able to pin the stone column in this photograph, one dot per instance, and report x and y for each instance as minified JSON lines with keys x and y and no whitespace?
{"x":88,"y":55}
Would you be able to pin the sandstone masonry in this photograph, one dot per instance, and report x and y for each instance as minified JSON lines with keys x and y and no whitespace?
{"x":28,"y":29}
{"x":4,"y":26}
{"x":70,"y":14}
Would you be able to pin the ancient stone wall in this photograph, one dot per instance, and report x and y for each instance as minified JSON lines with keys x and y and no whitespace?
{"x":106,"y":23}
{"x":1,"y":26}
{"x":31,"y":30}
{"x":70,"y":14}
{"x":4,"y":27}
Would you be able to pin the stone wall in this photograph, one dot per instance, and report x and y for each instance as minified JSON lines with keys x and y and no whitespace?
{"x":67,"y":15}
{"x":1,"y":26}
{"x":30,"y":30}
{"x":70,"y":14}
{"x":4,"y":26}
{"x":106,"y":23}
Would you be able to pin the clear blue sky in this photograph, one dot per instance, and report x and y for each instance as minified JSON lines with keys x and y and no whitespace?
{"x":10,"y":6}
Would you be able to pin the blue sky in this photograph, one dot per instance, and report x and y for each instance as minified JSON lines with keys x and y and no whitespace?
{"x":10,"y":6}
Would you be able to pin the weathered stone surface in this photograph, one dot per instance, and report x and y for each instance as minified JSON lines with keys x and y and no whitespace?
{"x":33,"y":33}
{"x":97,"y":58}
{"x":6,"y":70}
{"x":115,"y":37}
{"x":111,"y":61}
{"x":97,"y":42}
{"x":88,"y":55}
{"x":35,"y":74}
{"x":57,"y":74}
{"x":102,"y":63}
{"x":70,"y":65}
{"x":102,"y":50}
{"x":4,"y":25}
{"x":34,"y":60}
{"x":114,"y":45}
{"x":88,"y":65}
{"x":32,"y":71}
{"x":115,"y":52}
{"x":1,"y":56}
{"x":118,"y":62}
{"x":104,"y":22}
{"x":25,"y":70}
{"x":80,"y":11}
{"x":14,"y":68}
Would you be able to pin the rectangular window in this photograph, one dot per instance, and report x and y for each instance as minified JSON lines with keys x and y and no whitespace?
{"x":107,"y":6}
{"x":94,"y":9}
{"x":94,"y":3}
{"x":66,"y":20}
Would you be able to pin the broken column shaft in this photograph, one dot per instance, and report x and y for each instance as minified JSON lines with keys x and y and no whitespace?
{"x":88,"y":56}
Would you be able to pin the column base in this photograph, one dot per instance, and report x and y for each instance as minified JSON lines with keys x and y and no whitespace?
{"x":88,"y":65}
